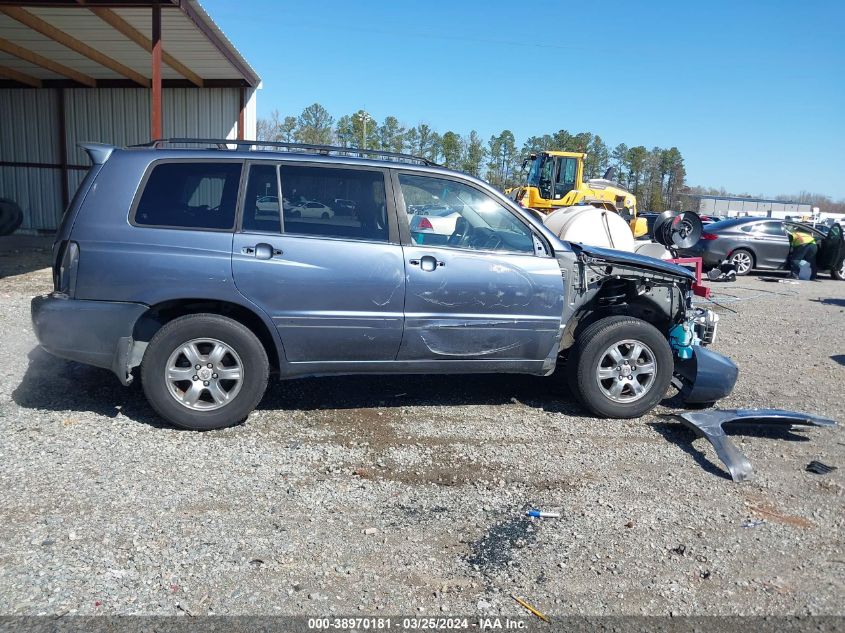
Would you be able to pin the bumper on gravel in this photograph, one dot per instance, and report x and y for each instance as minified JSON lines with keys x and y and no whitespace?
{"x":96,"y":333}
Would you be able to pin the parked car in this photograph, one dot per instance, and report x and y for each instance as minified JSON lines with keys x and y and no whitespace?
{"x":267,"y":203}
{"x":164,"y":268}
{"x":762,"y":243}
{"x":309,"y":209}
{"x":433,"y":224}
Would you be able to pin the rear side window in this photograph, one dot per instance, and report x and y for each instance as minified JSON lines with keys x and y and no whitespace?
{"x":329,"y":202}
{"x":190,"y":195}
{"x":770,"y":228}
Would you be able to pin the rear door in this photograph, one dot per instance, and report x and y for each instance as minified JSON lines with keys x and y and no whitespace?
{"x":333,"y":284}
{"x":479,"y":287}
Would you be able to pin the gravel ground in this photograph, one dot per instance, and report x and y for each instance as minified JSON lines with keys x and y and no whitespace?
{"x":372,"y":495}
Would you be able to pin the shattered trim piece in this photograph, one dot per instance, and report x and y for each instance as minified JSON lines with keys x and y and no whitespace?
{"x":709,"y":424}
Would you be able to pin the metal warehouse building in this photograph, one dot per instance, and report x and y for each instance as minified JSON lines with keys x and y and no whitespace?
{"x":109,"y":71}
{"x":731,"y":206}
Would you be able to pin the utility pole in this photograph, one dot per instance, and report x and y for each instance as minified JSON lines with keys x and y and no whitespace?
{"x":364,"y":118}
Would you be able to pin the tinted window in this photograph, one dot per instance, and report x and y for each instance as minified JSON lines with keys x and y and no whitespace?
{"x":462,"y":217}
{"x":769,"y":228}
{"x":345,"y":203}
{"x":726,"y":224}
{"x":261,"y":201}
{"x":190,"y":195}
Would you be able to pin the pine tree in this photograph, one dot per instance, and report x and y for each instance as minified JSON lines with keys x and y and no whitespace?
{"x":314,"y":126}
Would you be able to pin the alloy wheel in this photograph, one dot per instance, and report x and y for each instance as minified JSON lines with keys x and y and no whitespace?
{"x":204,"y":374}
{"x":742,"y":261}
{"x":626,"y":371}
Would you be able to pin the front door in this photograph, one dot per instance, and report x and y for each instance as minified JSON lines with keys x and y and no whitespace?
{"x":772,"y":244}
{"x":330,"y":274}
{"x":479,"y":286}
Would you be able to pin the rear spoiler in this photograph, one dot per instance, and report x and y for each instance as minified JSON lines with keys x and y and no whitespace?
{"x":98,"y":152}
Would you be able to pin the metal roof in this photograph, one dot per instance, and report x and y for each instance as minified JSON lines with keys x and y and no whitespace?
{"x":706,"y":196}
{"x":102,"y":43}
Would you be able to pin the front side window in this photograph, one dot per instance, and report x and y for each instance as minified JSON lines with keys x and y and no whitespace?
{"x":200,"y":195}
{"x":330,"y":202}
{"x":546,"y":176}
{"x":261,"y":201}
{"x":447,"y":213}
{"x":534,"y":172}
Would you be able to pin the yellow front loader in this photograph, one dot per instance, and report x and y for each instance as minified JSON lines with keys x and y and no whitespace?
{"x":556,"y":179}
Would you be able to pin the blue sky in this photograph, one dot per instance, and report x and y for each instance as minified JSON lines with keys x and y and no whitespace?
{"x":752,"y":93}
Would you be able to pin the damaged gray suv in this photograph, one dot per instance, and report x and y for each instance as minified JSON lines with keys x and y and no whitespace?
{"x":202,"y":269}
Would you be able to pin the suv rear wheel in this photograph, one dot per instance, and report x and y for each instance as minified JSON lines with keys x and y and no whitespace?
{"x":204,"y":372}
{"x":621,"y":367}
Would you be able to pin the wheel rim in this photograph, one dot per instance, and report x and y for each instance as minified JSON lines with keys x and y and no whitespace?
{"x":204,"y":374}
{"x":742,"y":261}
{"x":842,"y":269}
{"x":626,"y":371}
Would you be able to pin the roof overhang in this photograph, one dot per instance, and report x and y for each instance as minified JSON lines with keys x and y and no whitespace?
{"x":108,"y":43}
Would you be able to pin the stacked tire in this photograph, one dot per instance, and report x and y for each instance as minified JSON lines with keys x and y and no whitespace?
{"x":11,"y":216}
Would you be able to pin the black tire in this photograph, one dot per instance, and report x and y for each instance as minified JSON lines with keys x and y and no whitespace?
{"x":588,"y":352}
{"x":839,"y":273}
{"x":11,"y":216}
{"x":325,"y":215}
{"x":253,"y":357}
{"x":741,"y":252}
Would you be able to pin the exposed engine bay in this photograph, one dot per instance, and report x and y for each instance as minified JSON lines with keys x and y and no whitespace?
{"x":601,"y":282}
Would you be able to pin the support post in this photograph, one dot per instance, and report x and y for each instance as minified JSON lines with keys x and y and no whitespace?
{"x":241,"y":117}
{"x":63,"y":147}
{"x":155,"y":95}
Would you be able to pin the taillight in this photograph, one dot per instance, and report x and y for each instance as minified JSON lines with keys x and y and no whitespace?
{"x":425,"y":223}
{"x":708,"y":236}
{"x":66,"y":279}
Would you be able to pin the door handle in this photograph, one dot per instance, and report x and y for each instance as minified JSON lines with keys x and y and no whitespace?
{"x":427,"y":263}
{"x":261,"y":251}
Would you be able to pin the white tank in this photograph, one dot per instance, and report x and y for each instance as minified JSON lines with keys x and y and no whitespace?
{"x":585,"y":224}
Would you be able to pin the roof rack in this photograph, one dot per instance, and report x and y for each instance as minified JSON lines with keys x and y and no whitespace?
{"x":324,"y":150}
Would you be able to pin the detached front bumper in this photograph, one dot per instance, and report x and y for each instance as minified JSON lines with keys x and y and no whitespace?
{"x":706,"y":377}
{"x":96,"y":333}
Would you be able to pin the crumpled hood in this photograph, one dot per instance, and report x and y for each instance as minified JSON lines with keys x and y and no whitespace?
{"x":633,"y":259}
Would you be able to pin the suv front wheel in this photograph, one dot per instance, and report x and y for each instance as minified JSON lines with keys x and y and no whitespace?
{"x":204,"y":372}
{"x":620,"y":367}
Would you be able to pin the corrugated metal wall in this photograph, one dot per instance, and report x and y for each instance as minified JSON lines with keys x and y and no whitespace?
{"x":121,"y":116}
{"x":28,"y":134}
{"x":716,"y":206}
